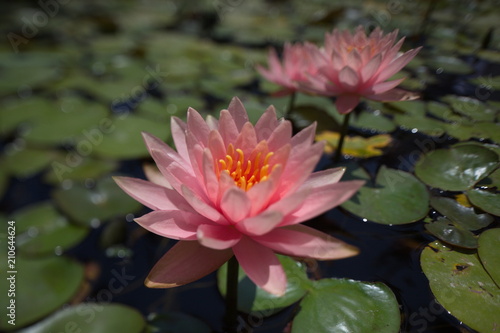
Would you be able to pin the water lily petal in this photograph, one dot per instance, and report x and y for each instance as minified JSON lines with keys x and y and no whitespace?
{"x":217,"y":237}
{"x":238,"y":112}
{"x":178,"y":129}
{"x":266,"y":124}
{"x":200,"y":206}
{"x":261,"y":265}
{"x":235,"y":204}
{"x":173,"y":224}
{"x":154,"y":175}
{"x":305,"y":242}
{"x":186,"y":262}
{"x":346,"y":103}
{"x":197,"y":125}
{"x":260,"y":224}
{"x":149,"y":194}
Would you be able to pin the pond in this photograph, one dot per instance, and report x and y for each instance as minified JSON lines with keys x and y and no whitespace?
{"x":80,"y":82}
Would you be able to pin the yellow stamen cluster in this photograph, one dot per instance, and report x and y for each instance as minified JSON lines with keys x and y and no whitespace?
{"x":245,"y":172}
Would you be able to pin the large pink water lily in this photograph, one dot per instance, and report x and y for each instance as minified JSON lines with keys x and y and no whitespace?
{"x":232,"y":188}
{"x":351,"y":66}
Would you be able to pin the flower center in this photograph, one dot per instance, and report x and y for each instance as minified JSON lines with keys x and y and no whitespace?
{"x":245,"y":172}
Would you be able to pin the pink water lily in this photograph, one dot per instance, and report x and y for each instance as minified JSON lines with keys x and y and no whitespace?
{"x":297,"y":65}
{"x":233,"y":188}
{"x":351,"y":66}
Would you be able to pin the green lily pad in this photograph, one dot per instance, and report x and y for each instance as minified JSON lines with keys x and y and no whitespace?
{"x":471,"y":107}
{"x":252,"y":299}
{"x":452,"y":233}
{"x":374,"y":121}
{"x":340,"y":305}
{"x":414,"y":108}
{"x":56,"y":278}
{"x":489,"y":253}
{"x":456,"y":169}
{"x":422,"y":124}
{"x":41,"y":230}
{"x":489,"y":201}
{"x":449,"y":65}
{"x":90,"y":207}
{"x":479,"y":130}
{"x":462,"y":286}
{"x":122,"y":138}
{"x":177,"y":322}
{"x":74,"y":167}
{"x":443,"y":111}
{"x":461,"y":215}
{"x":92,"y":317}
{"x":25,"y":162}
{"x":396,"y":197}
{"x":20,"y":111}
{"x":69,"y":118}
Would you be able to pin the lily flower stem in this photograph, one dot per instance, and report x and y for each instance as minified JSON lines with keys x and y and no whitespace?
{"x":291,"y":105}
{"x":232,"y":295}
{"x":343,"y":133}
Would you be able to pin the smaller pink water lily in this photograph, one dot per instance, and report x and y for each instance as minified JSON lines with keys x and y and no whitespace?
{"x":233,"y":188}
{"x":351,"y":66}
{"x":297,"y":65}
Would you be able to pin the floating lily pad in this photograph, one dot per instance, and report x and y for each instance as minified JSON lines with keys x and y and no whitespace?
{"x":461,"y":215}
{"x":471,"y":107}
{"x":252,"y":299}
{"x":414,"y":108}
{"x":462,"y":286}
{"x":489,"y":253}
{"x":41,"y":230}
{"x":92,"y":317}
{"x":443,"y":111}
{"x":56,"y":278}
{"x":71,"y":166}
{"x":90,"y":207}
{"x":356,"y":146}
{"x":452,"y":233}
{"x":122,"y":138}
{"x":449,"y":65}
{"x":70,"y":117}
{"x":489,"y":201}
{"x":479,"y":130}
{"x":177,"y":322}
{"x":25,"y":162}
{"x":422,"y":124}
{"x":396,"y":197}
{"x":340,"y":305}
{"x":374,"y":121}
{"x":19,"y":112}
{"x":456,"y":169}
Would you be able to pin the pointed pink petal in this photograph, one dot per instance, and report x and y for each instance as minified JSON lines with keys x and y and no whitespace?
{"x":371,"y":68}
{"x":149,"y":194}
{"x":354,"y":60}
{"x":210,"y":177}
{"x":261,"y":265}
{"x":198,"y":126}
{"x":346,"y":103}
{"x":154,"y":175}
{"x":266,"y":124}
{"x":397,"y":64}
{"x":235,"y":204}
{"x":247,"y":139}
{"x":304,"y":137}
{"x":322,"y":199}
{"x":216,"y":145}
{"x":348,"y":78}
{"x":261,"y":193}
{"x":178,"y":129}
{"x":290,"y":203}
{"x":227,"y":128}
{"x":323,"y":177}
{"x":300,"y":165}
{"x":394,"y":95}
{"x":217,"y":237}
{"x":173,"y":224}
{"x":260,"y":224}
{"x":212,"y":123}
{"x":184,"y":263}
{"x":175,"y":174}
{"x":153,"y":143}
{"x":201,"y":206}
{"x":380,"y":88}
{"x":280,"y":136}
{"x":305,"y":242}
{"x":238,"y":112}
